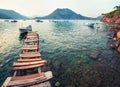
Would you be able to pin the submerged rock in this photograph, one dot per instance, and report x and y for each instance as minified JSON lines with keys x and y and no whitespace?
{"x":57,"y":84}
{"x":112,"y":46}
{"x":94,"y":55}
{"x":117,"y":21}
{"x":118,"y":49}
{"x":118,"y":34}
{"x":114,"y":38}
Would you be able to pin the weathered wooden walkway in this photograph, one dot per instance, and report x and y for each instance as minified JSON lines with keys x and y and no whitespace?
{"x":29,"y":58}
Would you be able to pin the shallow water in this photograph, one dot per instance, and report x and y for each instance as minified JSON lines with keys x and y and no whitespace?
{"x":67,"y":46}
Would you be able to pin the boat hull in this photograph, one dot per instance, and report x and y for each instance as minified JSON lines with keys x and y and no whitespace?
{"x":22,"y":31}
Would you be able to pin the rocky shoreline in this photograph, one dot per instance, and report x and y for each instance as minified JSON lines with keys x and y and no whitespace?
{"x":114,"y":24}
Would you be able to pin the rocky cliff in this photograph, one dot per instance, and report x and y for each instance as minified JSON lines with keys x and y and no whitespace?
{"x":112,"y":17}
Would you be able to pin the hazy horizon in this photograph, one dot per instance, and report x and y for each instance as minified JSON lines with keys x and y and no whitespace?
{"x":88,"y":8}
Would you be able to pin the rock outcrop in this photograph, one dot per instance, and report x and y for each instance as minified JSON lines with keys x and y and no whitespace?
{"x":113,"y":18}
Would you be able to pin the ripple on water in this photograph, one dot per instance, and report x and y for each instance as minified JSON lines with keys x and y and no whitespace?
{"x":67,"y":46}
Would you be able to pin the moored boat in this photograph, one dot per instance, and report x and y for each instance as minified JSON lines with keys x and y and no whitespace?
{"x":25,"y":29}
{"x":14,"y":21}
{"x":91,"y":25}
{"x":39,"y":20}
{"x":6,"y":20}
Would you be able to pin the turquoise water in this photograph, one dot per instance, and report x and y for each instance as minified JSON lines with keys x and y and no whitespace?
{"x":67,"y":46}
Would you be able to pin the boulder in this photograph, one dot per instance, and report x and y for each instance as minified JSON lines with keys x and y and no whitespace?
{"x":118,"y":49}
{"x":118,"y":34}
{"x":112,"y":46}
{"x":94,"y":55}
{"x":117,"y":21}
{"x":114,"y":38}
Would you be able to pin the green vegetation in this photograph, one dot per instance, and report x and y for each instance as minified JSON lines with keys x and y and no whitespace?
{"x":113,"y":13}
{"x":117,"y":7}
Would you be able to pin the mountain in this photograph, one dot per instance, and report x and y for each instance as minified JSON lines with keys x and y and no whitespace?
{"x":10,"y":14}
{"x":99,"y":17}
{"x":63,"y":14}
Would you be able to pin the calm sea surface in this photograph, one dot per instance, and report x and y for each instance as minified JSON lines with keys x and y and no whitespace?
{"x":69,"y":47}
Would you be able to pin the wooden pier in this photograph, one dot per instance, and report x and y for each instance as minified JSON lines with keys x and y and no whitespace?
{"x":29,"y":58}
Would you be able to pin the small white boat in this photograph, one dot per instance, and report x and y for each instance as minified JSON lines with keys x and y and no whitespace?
{"x":91,"y":25}
{"x":25,"y":29}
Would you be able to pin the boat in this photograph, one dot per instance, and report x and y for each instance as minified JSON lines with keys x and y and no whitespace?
{"x":54,"y":21}
{"x":91,"y":25}
{"x":25,"y":29}
{"x":39,"y":20}
{"x":6,"y":20}
{"x":14,"y":21}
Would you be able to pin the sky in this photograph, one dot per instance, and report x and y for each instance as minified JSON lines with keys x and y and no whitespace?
{"x":90,"y":8}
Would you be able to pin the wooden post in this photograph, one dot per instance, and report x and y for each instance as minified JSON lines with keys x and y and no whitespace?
{"x":39,"y":69}
{"x":15,"y":73}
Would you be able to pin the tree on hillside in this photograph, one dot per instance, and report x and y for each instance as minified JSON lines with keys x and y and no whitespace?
{"x":117,"y":7}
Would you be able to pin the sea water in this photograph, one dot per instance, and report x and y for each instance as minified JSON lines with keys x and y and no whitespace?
{"x":69,"y":47}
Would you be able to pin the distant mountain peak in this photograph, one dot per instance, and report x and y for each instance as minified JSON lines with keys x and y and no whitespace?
{"x":10,"y":14}
{"x":59,"y":9}
{"x":63,"y":13}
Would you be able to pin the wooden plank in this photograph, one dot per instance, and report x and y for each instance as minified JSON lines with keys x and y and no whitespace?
{"x":29,"y":60}
{"x":26,"y":82}
{"x":28,"y":67}
{"x":31,"y":81}
{"x":29,"y":54}
{"x":29,"y":63}
{"x":27,"y":76}
{"x":44,"y":84}
{"x":28,"y":40}
{"x":49,"y":74}
{"x":32,"y":34}
{"x":30,"y":47}
{"x":6,"y":81}
{"x":29,"y":37}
